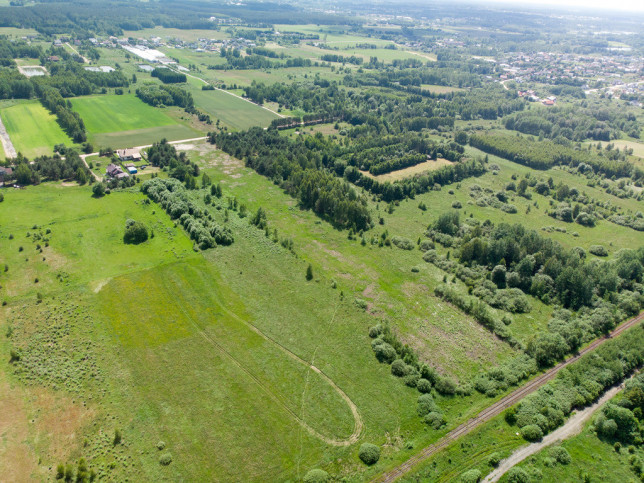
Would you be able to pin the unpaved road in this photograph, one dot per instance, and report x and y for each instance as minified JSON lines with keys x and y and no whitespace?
{"x":7,"y":145}
{"x":496,"y":408}
{"x":572,"y":427}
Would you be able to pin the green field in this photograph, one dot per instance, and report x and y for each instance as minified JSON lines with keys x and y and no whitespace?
{"x":231,"y":110}
{"x":33,"y":129}
{"x":122,"y":121}
{"x":107,"y":113}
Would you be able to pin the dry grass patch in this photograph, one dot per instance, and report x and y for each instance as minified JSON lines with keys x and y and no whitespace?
{"x":430,"y":165}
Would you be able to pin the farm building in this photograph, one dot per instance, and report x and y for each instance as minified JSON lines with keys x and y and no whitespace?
{"x":131,"y":168}
{"x":128,"y":154}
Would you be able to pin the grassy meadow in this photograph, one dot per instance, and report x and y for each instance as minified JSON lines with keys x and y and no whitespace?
{"x":232,"y":111}
{"x":33,"y":129}
{"x":123,"y":121}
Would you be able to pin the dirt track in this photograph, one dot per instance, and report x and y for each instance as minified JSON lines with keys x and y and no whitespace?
{"x":496,"y":408}
{"x":7,"y":145}
{"x":573,"y":426}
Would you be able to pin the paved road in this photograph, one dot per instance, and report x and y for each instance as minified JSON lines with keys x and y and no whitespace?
{"x":496,"y":408}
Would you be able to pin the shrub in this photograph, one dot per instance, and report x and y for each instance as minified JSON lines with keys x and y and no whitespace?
{"x":135,"y":232}
{"x":532,"y":433}
{"x":424,"y":386}
{"x":598,"y":250}
{"x":117,"y":437}
{"x":369,"y":453}
{"x":165,"y":459}
{"x":316,"y":476}
{"x":385,"y":353}
{"x":494,"y":459}
{"x":426,"y":405}
{"x":426,"y":245}
{"x":471,"y":476}
{"x":309,"y":272}
{"x":435,"y":419}
{"x":160,"y":445}
{"x":98,"y":190}
{"x":560,"y":454}
{"x":445,"y":386}
{"x":403,"y":243}
{"x":517,"y":475}
{"x":399,"y":368}
{"x":375,"y":331}
{"x":457,"y":205}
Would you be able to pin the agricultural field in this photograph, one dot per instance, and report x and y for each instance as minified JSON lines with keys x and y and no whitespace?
{"x":33,"y":130}
{"x":231,"y":110}
{"x":122,"y":121}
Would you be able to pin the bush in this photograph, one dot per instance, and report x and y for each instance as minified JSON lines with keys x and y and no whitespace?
{"x":399,"y":368}
{"x":369,"y":453}
{"x":98,"y":190}
{"x":457,"y":205}
{"x":316,"y":476}
{"x":560,"y":454}
{"x":532,"y":433}
{"x":598,"y":250}
{"x":375,"y":331}
{"x":165,"y":459}
{"x":517,"y":475}
{"x":471,"y":476}
{"x":493,"y":460}
{"x":435,"y":419}
{"x":403,"y":243}
{"x":385,"y":352}
{"x":445,"y":386}
{"x":424,"y":386}
{"x":135,"y":232}
{"x":426,"y":405}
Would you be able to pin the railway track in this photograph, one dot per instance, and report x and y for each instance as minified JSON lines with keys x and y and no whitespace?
{"x":498,"y":407}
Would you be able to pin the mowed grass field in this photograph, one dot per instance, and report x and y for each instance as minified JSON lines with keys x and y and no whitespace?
{"x":33,"y":129}
{"x":111,"y":113}
{"x":122,"y":121}
{"x":236,"y":113}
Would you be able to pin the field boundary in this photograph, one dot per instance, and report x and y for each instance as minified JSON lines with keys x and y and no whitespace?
{"x":497,"y":408}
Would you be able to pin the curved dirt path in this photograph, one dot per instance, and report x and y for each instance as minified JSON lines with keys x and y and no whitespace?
{"x":358,"y":423}
{"x":497,"y":408}
{"x":572,"y":427}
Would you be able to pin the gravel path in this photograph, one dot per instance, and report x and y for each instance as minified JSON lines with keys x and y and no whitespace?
{"x":7,"y":145}
{"x":572,"y":427}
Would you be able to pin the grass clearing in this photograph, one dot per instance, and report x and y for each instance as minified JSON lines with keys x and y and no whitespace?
{"x":112,"y":113}
{"x":33,"y":129}
{"x":231,"y":110}
{"x":82,"y":250}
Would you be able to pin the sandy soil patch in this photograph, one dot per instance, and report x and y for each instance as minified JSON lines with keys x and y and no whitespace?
{"x":430,"y":165}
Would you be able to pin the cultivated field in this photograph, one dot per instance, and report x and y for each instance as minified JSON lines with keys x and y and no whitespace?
{"x":232,"y":111}
{"x":121,"y":121}
{"x":33,"y":129}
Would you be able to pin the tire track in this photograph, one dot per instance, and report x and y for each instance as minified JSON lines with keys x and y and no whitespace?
{"x":497,"y":408}
{"x":358,"y":423}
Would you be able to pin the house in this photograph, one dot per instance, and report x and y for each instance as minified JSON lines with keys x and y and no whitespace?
{"x":53,"y":58}
{"x":115,"y":171}
{"x":129,"y":154}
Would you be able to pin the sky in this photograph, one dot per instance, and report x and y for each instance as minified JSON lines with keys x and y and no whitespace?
{"x":622,"y":5}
